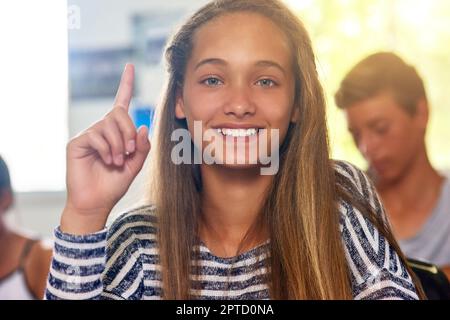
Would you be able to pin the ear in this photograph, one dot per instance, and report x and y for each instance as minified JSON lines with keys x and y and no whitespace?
{"x":179,"y":106}
{"x":422,"y":113}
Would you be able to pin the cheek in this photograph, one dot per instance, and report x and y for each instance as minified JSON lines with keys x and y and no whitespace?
{"x":200,"y":106}
{"x":278,"y":115}
{"x":401,"y":143}
{"x":404,"y":135}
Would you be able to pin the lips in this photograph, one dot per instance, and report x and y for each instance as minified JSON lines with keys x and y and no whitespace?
{"x":237,"y":130}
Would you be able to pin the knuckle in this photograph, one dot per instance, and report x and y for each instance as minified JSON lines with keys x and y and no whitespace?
{"x":130,"y":131}
{"x":109,"y":117}
{"x":89,"y":134}
{"x":103,"y":150}
{"x":115,"y":144}
{"x":110,"y":113}
{"x":109,"y":120}
{"x":125,"y":120}
{"x":119,"y":110}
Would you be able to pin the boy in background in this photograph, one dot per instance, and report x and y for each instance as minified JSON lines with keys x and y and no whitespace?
{"x":386,"y":107}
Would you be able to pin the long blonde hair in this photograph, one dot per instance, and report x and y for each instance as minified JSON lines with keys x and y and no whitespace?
{"x":307,"y":259}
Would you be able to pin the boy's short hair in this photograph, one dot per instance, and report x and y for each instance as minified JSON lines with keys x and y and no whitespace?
{"x":378,"y":73}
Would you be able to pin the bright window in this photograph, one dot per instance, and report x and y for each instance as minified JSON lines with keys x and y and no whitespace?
{"x":345,"y":31}
{"x":34,"y":91}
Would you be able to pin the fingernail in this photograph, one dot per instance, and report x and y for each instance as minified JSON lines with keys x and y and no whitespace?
{"x":108,"y":159}
{"x":119,"y":159}
{"x":131,"y":145}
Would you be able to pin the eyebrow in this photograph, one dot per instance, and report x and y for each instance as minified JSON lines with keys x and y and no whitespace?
{"x":269,"y":63}
{"x":211,"y":61}
{"x":221,"y":62}
{"x":371,"y":123}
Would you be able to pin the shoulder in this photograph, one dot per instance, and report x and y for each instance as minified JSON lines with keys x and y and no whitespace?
{"x":136,"y":223}
{"x":352,"y":178}
{"x":139,"y":217}
{"x":375,"y":266}
{"x":39,"y":254}
{"x":359,"y":189}
{"x":131,"y":243}
{"x":37,"y":266}
{"x":41,"y":251}
{"x":131,"y":232}
{"x":359,"y":208}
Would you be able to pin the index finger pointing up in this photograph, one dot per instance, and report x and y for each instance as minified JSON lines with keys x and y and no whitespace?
{"x":125,"y":91}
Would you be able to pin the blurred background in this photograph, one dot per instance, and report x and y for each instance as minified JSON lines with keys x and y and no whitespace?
{"x":61,"y":63}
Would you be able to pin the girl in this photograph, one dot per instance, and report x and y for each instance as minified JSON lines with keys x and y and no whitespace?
{"x":24,"y":260}
{"x":313,"y":230}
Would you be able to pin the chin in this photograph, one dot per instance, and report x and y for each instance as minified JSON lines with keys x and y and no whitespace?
{"x":240,"y":166}
{"x":388,"y":177}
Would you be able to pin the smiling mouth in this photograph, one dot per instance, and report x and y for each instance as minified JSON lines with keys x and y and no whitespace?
{"x":238,"y":132}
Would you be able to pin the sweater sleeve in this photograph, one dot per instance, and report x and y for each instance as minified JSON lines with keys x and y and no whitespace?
{"x":103,"y":265}
{"x":376,"y":269}
{"x":77,"y":266}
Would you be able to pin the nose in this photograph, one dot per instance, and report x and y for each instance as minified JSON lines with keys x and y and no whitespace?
{"x":239,"y":103}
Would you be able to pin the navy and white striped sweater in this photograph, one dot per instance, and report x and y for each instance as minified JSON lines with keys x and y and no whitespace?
{"x":122,"y":262}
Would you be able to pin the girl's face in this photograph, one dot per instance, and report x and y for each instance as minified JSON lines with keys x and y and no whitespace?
{"x":239,"y":81}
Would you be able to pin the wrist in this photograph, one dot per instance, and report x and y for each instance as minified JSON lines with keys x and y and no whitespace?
{"x":80,"y":222}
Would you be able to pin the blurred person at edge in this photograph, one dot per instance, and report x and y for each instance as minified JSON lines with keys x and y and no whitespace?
{"x":387,"y":112}
{"x":24,"y":260}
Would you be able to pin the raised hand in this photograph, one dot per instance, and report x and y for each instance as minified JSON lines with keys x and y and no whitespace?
{"x":102,"y":162}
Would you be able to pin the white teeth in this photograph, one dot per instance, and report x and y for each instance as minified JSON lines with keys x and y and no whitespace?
{"x":238,"y":132}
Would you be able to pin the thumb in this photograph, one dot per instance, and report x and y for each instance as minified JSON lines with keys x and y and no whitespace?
{"x":137,"y":159}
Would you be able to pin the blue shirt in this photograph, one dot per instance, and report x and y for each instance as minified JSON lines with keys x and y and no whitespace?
{"x":432,"y":242}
